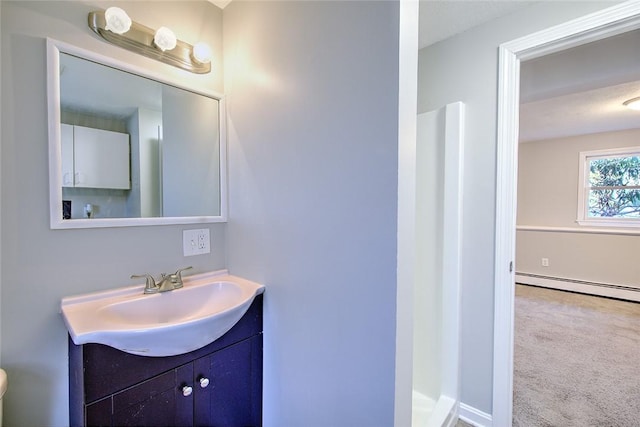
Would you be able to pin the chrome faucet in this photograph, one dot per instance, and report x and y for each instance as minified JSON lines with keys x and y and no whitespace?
{"x":167,"y":282}
{"x":150,"y":285}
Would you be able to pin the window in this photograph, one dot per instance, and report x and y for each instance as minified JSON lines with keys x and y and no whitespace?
{"x":609,"y":188}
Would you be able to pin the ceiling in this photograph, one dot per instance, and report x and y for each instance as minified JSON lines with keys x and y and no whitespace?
{"x":563,"y":94}
{"x":569,"y":93}
{"x":440,"y":19}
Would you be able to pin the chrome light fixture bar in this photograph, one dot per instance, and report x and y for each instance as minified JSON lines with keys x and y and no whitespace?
{"x":633,"y":103}
{"x":140,"y":39}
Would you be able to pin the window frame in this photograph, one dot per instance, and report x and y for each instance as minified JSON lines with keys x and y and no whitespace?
{"x":584,"y":188}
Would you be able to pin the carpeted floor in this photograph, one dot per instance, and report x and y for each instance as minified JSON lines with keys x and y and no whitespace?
{"x":577,"y":360}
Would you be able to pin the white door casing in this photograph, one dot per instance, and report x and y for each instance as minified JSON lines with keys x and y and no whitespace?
{"x":599,"y":25}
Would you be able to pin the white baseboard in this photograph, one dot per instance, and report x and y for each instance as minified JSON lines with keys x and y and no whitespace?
{"x":599,"y":289}
{"x":452,"y":420}
{"x":445,"y":413}
{"x":475,"y":417}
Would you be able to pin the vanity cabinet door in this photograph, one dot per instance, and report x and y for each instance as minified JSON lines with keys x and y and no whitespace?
{"x":202,"y":386}
{"x":234,"y":395}
{"x":159,"y":401}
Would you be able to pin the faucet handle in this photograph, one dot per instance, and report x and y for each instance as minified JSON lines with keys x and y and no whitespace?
{"x":182,"y":269}
{"x":150,"y":285}
{"x":177,"y":277}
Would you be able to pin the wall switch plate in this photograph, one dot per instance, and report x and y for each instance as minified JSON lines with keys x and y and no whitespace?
{"x":196,"y":242}
{"x":545,"y":262}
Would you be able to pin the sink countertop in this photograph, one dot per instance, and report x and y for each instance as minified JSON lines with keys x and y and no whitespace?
{"x":160,"y":324}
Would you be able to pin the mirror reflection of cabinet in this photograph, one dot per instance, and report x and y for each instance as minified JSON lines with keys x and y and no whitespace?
{"x":94,"y":158}
{"x":66,"y":135}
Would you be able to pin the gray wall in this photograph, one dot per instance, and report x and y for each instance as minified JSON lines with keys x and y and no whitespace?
{"x":548,"y":197}
{"x":40,"y":266}
{"x":190,"y":154}
{"x":313,"y":109}
{"x":465,"y":68}
{"x":548,"y":175}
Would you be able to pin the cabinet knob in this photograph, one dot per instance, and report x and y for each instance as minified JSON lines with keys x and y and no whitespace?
{"x":186,"y":391}
{"x":204,"y":382}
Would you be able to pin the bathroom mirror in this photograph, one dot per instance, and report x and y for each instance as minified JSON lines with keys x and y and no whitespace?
{"x":128,"y":148}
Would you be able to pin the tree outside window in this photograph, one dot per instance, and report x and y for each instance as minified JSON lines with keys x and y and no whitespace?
{"x":609,"y":193}
{"x":614,"y":187}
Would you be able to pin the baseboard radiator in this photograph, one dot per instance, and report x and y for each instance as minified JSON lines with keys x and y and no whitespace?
{"x":582,"y":286}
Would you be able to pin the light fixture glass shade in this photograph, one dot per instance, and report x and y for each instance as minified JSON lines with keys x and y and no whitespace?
{"x":161,"y":45}
{"x":117,"y":20}
{"x":202,"y":53}
{"x":165,"y":39}
{"x":633,"y":103}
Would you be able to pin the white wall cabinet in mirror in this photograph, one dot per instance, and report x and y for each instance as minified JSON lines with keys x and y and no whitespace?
{"x":137,"y":148}
{"x":94,"y":158}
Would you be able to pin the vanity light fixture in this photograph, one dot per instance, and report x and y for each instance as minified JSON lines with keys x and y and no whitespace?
{"x":165,"y":39}
{"x":115,"y":26}
{"x":201,"y":53}
{"x":117,"y":20}
{"x":633,"y":103}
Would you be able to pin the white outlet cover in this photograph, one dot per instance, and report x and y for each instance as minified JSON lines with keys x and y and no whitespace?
{"x":196,"y":242}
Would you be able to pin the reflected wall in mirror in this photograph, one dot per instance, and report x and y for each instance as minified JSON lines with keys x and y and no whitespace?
{"x":127,"y":149}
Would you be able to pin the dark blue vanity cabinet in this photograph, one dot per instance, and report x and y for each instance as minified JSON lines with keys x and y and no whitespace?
{"x":218,"y":385}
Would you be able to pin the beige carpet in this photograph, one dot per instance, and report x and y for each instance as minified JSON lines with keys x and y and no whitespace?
{"x":577,"y":360}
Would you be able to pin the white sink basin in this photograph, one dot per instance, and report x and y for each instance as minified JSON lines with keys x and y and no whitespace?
{"x":162,"y":324}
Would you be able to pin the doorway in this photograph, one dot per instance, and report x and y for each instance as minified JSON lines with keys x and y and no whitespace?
{"x":612,"y":21}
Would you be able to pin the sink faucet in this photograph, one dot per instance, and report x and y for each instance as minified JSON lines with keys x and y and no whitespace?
{"x":150,"y":285}
{"x":167,"y":282}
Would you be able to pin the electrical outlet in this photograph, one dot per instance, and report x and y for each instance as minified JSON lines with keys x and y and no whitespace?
{"x":196,"y":242}
{"x":203,"y":240}
{"x":545,"y":262}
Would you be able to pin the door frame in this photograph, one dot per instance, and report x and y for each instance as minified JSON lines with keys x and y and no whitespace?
{"x":599,"y":25}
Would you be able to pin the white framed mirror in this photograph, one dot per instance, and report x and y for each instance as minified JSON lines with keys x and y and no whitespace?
{"x":128,"y":147}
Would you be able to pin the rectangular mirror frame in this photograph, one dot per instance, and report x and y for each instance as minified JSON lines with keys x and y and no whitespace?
{"x":54,"y":48}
